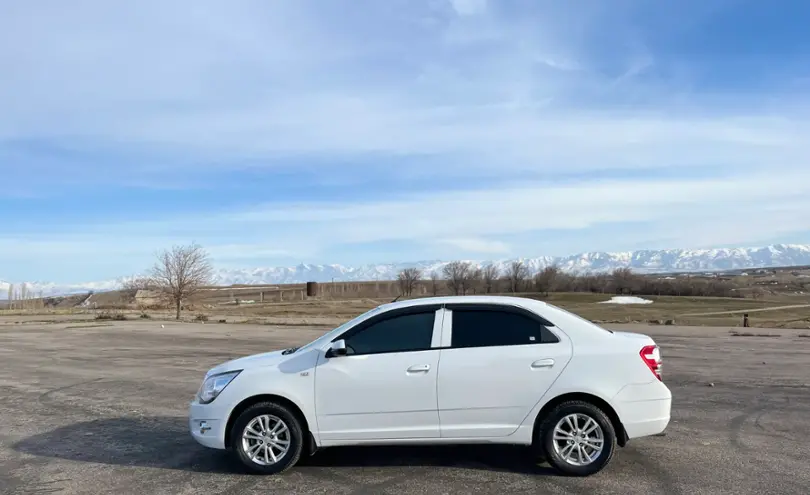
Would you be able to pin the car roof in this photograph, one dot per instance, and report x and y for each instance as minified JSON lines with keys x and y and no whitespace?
{"x":574,"y":326}
{"x":502,"y":300}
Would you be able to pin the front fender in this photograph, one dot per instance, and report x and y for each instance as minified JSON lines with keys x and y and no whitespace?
{"x":292,"y":380}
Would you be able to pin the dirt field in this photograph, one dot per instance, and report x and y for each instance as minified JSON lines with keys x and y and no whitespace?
{"x":89,"y":408}
{"x":772,"y":312}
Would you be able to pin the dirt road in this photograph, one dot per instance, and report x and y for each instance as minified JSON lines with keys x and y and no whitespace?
{"x":741,"y":311}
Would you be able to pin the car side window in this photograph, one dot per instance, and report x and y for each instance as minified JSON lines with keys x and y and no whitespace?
{"x":403,"y":333}
{"x":486,"y":328}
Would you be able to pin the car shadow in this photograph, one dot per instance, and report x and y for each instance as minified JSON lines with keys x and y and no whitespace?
{"x":505,"y":458}
{"x":154,"y":441}
{"x":164,"y":442}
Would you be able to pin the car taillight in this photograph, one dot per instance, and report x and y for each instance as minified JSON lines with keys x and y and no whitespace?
{"x":652,"y":358}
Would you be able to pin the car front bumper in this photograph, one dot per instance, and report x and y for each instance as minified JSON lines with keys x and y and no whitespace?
{"x":207,"y":424}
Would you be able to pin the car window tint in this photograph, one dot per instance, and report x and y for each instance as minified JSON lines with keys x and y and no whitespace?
{"x":410,"y":332}
{"x":483,"y":328}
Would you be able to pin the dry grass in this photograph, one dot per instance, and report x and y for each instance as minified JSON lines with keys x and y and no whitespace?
{"x":684,"y":310}
{"x":327,"y":313}
{"x":46,"y":311}
{"x":677,"y":310}
{"x":339,"y":302}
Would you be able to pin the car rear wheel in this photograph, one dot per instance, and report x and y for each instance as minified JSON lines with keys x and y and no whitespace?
{"x":578,"y":438}
{"x":267,"y":438}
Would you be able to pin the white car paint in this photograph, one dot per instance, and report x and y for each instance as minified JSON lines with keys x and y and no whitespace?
{"x":441,"y":394}
{"x":505,"y":383}
{"x":390,"y":396}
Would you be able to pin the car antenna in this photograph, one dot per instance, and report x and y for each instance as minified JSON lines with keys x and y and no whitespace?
{"x":396,"y":298}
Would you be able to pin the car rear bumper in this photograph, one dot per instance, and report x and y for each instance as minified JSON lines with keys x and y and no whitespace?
{"x":206,"y":426}
{"x":646,"y":428}
{"x":644,"y":409}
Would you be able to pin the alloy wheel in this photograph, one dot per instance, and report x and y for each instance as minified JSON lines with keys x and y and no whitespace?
{"x":578,"y":439}
{"x":266,"y":439}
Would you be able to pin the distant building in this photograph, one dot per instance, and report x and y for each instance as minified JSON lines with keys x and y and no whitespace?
{"x":147,"y":297}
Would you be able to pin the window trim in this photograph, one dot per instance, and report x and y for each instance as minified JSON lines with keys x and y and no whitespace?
{"x":435,"y":309}
{"x":502,"y":308}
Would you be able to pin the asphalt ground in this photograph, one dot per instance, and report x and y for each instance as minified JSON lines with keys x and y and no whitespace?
{"x":102,"y":409}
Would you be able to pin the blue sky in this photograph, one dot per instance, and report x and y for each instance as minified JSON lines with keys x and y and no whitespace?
{"x":353,"y":131}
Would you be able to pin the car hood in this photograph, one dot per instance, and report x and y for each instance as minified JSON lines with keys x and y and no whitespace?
{"x":264,"y":359}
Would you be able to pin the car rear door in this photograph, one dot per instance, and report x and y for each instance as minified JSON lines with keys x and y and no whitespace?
{"x":496,"y":364}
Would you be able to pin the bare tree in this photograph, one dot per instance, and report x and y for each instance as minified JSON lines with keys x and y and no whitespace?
{"x":490,"y":275}
{"x":545,"y":281}
{"x":458,"y":274}
{"x":407,"y":280}
{"x":475,"y":281}
{"x":10,"y":296}
{"x":623,"y":280}
{"x":517,"y":273}
{"x":138,"y":283}
{"x":434,"y":282}
{"x":180,"y":272}
{"x":600,"y":283}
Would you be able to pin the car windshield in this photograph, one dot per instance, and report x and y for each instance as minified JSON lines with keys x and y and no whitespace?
{"x":338,"y":330}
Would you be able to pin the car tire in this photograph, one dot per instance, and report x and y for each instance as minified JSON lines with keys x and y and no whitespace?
{"x":567,"y":445}
{"x":260,"y":433}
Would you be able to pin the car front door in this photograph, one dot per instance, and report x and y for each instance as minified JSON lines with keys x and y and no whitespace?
{"x":501,"y":360}
{"x":385,"y":386}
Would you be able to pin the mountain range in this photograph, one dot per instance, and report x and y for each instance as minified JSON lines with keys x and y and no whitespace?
{"x":644,"y":261}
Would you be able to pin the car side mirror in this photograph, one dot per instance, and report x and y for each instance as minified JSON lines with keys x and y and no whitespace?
{"x":338,"y":348}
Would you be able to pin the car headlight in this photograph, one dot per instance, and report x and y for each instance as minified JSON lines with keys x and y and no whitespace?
{"x":213,"y":385}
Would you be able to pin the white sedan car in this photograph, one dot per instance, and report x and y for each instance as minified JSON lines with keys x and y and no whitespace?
{"x":441,"y":370}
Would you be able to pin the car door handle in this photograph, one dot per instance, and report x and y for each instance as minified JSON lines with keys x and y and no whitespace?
{"x":543,"y":363}
{"x":419,"y":368}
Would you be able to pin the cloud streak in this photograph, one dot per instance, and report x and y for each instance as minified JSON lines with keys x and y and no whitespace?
{"x":270,"y":80}
{"x":446,"y":127}
{"x":684,"y":212}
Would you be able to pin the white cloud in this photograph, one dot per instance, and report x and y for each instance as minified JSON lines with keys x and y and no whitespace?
{"x":735,"y":209}
{"x":235,"y":252}
{"x":185,"y":83}
{"x":469,"y":7}
{"x":448,"y":90}
{"x":477,"y":245}
{"x":531,"y":206}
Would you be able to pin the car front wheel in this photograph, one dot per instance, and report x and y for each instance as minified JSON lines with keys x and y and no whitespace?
{"x":578,"y":438}
{"x":267,"y":438}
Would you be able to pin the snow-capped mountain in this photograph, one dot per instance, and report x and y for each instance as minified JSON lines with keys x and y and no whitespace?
{"x":34,"y":289}
{"x":646,"y":261}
